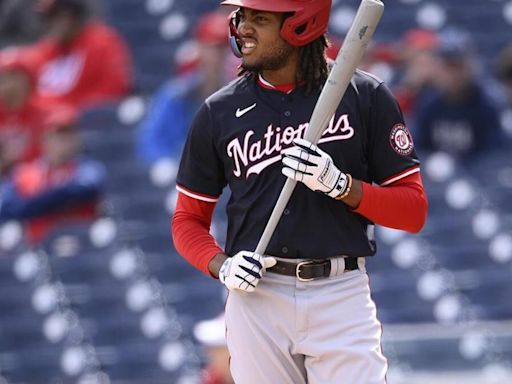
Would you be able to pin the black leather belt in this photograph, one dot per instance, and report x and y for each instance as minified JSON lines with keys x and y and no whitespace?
{"x":311,"y":269}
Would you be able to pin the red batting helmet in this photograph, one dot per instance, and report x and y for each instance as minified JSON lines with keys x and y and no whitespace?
{"x":308,"y":22}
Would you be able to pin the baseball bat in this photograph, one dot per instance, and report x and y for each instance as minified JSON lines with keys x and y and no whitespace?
{"x":354,"y":46}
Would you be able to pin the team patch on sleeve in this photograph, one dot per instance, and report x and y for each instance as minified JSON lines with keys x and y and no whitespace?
{"x":401,"y":140}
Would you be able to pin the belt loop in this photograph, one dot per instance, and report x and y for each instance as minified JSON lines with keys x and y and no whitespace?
{"x":337,"y":266}
{"x":334,"y":266}
{"x":361,"y":264}
{"x":344,"y":266}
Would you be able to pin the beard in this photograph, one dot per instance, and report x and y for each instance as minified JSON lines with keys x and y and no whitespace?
{"x":276,"y":57}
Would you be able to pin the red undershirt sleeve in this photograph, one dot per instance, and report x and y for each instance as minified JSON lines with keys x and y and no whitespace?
{"x":401,"y":205}
{"x":191,"y":231}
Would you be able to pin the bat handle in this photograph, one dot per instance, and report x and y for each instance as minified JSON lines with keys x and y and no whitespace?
{"x":281,"y":203}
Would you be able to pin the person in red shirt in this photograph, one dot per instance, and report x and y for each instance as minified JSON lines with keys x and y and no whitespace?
{"x":20,"y":113}
{"x":81,"y":62}
{"x":59,"y":187}
{"x":419,"y":68}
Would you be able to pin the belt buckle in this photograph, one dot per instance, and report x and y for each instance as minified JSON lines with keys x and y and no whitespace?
{"x":297,"y":271}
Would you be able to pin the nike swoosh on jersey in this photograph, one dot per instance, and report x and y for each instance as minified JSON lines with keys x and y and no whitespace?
{"x":240,"y":112}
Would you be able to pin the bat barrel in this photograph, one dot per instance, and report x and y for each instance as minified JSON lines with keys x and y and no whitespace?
{"x":354,"y":46}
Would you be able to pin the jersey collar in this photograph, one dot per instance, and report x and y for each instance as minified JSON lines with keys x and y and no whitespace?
{"x":284,"y":88}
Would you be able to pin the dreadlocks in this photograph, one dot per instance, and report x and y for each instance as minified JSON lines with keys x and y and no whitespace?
{"x":313,"y":70}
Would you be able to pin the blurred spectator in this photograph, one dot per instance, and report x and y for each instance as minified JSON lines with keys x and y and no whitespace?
{"x":18,"y":23}
{"x":212,"y":335}
{"x":419,"y":65}
{"x":334,"y":47}
{"x":163,"y":130}
{"x":20,"y":114}
{"x":380,"y":60}
{"x":504,"y":64}
{"x":457,"y":116}
{"x":80,"y":61}
{"x":57,"y":188}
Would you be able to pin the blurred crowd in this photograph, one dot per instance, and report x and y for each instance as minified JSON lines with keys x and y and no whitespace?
{"x":59,"y":59}
{"x":453,"y":100}
{"x":69,"y":60}
{"x":76,"y":62}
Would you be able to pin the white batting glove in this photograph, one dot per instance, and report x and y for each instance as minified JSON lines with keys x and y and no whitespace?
{"x":307,"y":163}
{"x":244,"y":270}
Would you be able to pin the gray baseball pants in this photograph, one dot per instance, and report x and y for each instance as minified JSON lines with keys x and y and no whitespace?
{"x":319,"y":332}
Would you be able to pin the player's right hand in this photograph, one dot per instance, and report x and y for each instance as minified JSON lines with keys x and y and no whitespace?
{"x":308,"y":164}
{"x":244,"y":270}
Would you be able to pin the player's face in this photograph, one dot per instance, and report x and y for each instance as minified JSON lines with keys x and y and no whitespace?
{"x":263,"y":48}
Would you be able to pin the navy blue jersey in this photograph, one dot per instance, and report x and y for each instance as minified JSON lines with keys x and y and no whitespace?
{"x":237,"y":137}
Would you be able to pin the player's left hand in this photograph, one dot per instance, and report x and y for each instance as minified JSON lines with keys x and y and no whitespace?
{"x":307,"y":163}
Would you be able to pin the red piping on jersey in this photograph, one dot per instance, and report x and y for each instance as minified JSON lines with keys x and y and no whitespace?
{"x":196,"y":195}
{"x":401,"y":205}
{"x":401,"y":175}
{"x":191,"y":231}
{"x":285,"y":88}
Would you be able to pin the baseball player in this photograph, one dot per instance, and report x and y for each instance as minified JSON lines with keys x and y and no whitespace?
{"x":302,"y":312}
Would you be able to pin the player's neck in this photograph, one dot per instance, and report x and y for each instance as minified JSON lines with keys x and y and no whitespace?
{"x":284,"y":75}
{"x":285,"y":88}
{"x":278,"y":79}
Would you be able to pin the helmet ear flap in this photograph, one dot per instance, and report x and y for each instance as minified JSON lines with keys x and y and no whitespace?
{"x":304,"y":26}
{"x":234,"y":38}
